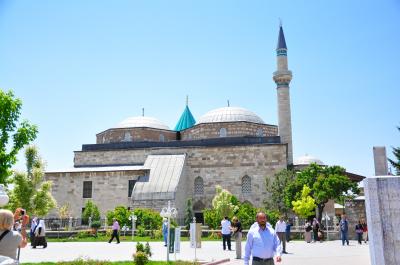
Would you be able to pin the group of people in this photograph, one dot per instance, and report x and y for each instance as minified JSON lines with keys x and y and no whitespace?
{"x":313,"y":231}
{"x":234,"y":230}
{"x":37,"y":233}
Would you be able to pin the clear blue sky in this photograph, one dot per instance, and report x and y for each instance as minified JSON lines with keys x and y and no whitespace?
{"x":81,"y":67}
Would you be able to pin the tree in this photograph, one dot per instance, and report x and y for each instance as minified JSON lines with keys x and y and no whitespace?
{"x":188,"y":213}
{"x":121,"y":213}
{"x":64,"y":211}
{"x":91,"y":210}
{"x":22,"y":134}
{"x":325,"y":183}
{"x":222,"y":202}
{"x":396,"y":162}
{"x":276,"y":202}
{"x":305,"y":206}
{"x":246,"y":214}
{"x":30,"y":191}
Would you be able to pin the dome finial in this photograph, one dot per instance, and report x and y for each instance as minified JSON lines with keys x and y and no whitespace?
{"x":142,"y":112}
{"x":280,"y":22}
{"x":187,"y":100}
{"x":228,"y":103}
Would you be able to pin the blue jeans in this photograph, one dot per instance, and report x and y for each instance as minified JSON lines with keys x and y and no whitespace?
{"x":165,"y":234}
{"x":344,"y":237}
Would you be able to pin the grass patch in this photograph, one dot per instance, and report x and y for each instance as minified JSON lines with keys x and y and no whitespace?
{"x":99,"y":262}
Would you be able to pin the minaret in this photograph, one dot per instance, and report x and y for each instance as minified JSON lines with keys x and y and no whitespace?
{"x":282,"y":78}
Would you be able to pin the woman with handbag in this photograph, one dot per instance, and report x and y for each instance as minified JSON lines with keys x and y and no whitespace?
{"x":359,"y":231}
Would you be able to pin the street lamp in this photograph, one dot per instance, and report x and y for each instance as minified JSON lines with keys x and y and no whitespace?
{"x":168,"y":212}
{"x":3,"y":196}
{"x":133,"y":218}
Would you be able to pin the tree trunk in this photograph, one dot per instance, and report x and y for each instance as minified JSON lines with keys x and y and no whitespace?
{"x":320,"y":207}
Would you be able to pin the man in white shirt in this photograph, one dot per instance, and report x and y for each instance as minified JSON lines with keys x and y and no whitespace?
{"x":262,"y":243}
{"x":226,"y":232}
{"x":280,"y":229}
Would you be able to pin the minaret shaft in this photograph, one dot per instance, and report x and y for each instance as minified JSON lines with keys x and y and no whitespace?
{"x":282,"y":78}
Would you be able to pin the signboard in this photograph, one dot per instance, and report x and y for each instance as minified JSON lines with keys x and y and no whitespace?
{"x":177,"y":239}
{"x":171,"y":240}
{"x":195,"y":235}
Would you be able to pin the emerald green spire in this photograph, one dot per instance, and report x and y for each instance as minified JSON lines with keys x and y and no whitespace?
{"x":186,"y":120}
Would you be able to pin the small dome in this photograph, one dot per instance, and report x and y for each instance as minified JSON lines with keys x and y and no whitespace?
{"x":140,"y":121}
{"x":307,"y":160}
{"x":230,"y":114}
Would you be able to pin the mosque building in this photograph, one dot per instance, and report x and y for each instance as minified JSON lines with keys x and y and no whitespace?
{"x":141,"y":162}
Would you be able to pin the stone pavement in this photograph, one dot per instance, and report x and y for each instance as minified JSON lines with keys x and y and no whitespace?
{"x":327,"y":253}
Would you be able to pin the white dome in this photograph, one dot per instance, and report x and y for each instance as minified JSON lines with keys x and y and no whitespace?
{"x":307,"y":160}
{"x":230,"y":114}
{"x":140,"y":121}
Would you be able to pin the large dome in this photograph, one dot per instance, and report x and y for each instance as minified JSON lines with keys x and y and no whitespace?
{"x":307,"y":160}
{"x":230,"y":114}
{"x":140,"y":121}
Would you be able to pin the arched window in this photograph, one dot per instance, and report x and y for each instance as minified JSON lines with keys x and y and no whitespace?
{"x":246,"y":185}
{"x":162,"y":138}
{"x":260,"y":132}
{"x":198,"y":186}
{"x":222,"y":132}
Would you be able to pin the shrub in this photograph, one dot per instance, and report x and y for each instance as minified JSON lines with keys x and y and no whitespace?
{"x":147,"y":249}
{"x":83,"y":234}
{"x":139,"y":247}
{"x":95,"y":225}
{"x":91,"y":210}
{"x":140,"y":258}
{"x":148,"y":219}
{"x":141,"y":232}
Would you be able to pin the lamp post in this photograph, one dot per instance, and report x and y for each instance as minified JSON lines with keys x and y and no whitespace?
{"x":3,"y":196}
{"x":70,"y":223}
{"x":168,"y":212}
{"x":133,"y":218}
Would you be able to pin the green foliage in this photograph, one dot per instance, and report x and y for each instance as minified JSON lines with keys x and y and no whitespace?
{"x":325,"y":183}
{"x":222,"y":202}
{"x":276,"y":201}
{"x":246,"y":214}
{"x":396,"y":162}
{"x":148,"y":219}
{"x":64,"y":211}
{"x":91,"y":210}
{"x":305,"y":206}
{"x":140,"y":258}
{"x":121,"y":213}
{"x":95,"y":225}
{"x":188,"y":213}
{"x":10,"y":109}
{"x":139,"y":247}
{"x":212,"y":218}
{"x":272,"y":216}
{"x":30,"y":191}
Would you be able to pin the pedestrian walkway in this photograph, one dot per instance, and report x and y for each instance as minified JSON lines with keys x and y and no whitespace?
{"x":327,"y":253}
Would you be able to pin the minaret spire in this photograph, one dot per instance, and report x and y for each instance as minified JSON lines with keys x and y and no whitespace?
{"x":282,"y":78}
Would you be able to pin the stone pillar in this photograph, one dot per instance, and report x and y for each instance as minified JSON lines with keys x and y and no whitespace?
{"x":382,"y":201}
{"x":380,"y":161}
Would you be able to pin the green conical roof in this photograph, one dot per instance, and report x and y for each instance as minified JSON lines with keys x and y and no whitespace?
{"x":186,"y":120}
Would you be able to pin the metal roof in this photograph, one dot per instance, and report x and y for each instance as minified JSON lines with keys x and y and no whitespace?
{"x":98,"y":169}
{"x":186,"y":120}
{"x":141,"y":121}
{"x":281,"y":39}
{"x":162,"y":183}
{"x":230,"y":114}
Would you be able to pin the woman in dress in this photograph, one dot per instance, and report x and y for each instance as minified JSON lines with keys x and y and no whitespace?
{"x":40,"y":235}
{"x":307,"y":232}
{"x":237,"y":234}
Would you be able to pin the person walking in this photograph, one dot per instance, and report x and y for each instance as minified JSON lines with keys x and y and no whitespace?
{"x":165,"y":231}
{"x":40,"y":235}
{"x":34,"y":224}
{"x":315,"y":229}
{"x":365,"y":230}
{"x":289,"y":225}
{"x":226,"y":233}
{"x":11,"y":240}
{"x":359,"y":232}
{"x":307,"y":232}
{"x":115,"y":230}
{"x":280,"y":229}
{"x":237,"y":232}
{"x":344,"y":229}
{"x":262,"y":243}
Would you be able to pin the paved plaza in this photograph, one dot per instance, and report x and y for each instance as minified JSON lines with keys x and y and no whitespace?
{"x":327,"y":253}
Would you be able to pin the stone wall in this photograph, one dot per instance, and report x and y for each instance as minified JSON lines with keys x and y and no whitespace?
{"x":109,"y":189}
{"x":355,"y":210}
{"x":233,"y":129}
{"x":134,"y":135}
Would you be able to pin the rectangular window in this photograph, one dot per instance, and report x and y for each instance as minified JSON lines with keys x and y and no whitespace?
{"x":130,"y":187}
{"x":87,"y":189}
